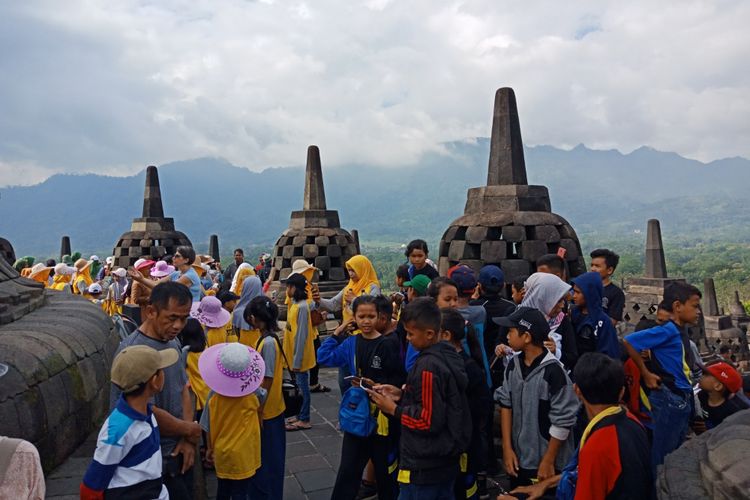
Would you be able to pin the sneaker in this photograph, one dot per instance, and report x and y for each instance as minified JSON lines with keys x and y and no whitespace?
{"x":367,"y":491}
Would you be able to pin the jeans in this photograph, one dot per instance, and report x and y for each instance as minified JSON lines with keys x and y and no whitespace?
{"x":303,"y":381}
{"x":439,"y":491}
{"x":315,"y":369}
{"x":670,"y":413}
{"x":180,"y":486}
{"x":232,"y":489}
{"x":268,"y":481}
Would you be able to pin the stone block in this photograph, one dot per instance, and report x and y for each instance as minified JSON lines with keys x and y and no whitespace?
{"x":333,"y":251}
{"x":342,"y":240}
{"x":514,"y":268}
{"x":717,"y":322}
{"x":323,"y":263}
{"x":450,"y":234}
{"x":476,"y":234}
{"x":443,"y":265}
{"x":134,"y":251}
{"x":321,"y":241}
{"x":30,"y":410}
{"x":55,"y":400}
{"x":571,"y":247}
{"x":514,"y":233}
{"x":337,"y":274}
{"x":350,"y":250}
{"x":475,"y":264}
{"x":546,"y":233}
{"x":310,"y":251}
{"x":288,"y":252}
{"x":456,"y":250}
{"x":9,"y":424}
{"x":531,"y":250}
{"x":494,"y":251}
{"x":298,"y":241}
{"x":284,"y":273}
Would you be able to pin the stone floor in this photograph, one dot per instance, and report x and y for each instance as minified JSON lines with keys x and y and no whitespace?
{"x":312,"y":456}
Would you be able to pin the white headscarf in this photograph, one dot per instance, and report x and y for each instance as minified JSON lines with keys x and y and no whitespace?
{"x":242,"y":266}
{"x":543,"y":292}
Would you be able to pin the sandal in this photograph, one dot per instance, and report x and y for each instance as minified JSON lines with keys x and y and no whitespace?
{"x":320,"y":388}
{"x":299,"y":425}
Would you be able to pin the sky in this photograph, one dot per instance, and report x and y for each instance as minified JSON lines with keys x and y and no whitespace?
{"x":110,"y":87}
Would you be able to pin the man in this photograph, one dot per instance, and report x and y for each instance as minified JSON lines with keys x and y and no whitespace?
{"x":164,"y":317}
{"x":239,"y":258}
{"x":604,"y":262}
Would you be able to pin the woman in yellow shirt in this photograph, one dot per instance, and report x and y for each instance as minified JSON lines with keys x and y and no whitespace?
{"x":268,"y":481}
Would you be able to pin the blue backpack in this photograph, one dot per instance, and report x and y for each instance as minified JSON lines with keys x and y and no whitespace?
{"x":354,"y":413}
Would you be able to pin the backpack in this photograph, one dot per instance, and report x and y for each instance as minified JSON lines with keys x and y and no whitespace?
{"x":355,"y":416}
{"x":289,"y":389}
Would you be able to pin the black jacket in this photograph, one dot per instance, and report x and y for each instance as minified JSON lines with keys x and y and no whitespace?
{"x":434,"y":415}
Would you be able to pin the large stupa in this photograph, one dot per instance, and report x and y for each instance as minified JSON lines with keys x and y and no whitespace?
{"x":151,"y":235}
{"x":508,"y":222}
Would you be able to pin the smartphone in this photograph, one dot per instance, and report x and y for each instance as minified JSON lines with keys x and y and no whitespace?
{"x":365,"y":385}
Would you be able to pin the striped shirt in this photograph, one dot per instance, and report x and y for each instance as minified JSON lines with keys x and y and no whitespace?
{"x":127,"y":459}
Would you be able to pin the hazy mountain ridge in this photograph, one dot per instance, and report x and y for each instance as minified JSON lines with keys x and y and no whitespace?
{"x":599,"y":191}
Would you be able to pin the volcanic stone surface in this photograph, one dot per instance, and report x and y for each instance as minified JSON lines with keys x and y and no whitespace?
{"x":508,"y":222}
{"x":152,"y":235}
{"x":7,"y":252}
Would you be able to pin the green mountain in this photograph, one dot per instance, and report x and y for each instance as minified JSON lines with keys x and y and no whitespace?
{"x":604,"y":194}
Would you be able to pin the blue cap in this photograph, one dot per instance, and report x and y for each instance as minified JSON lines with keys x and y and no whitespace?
{"x":491,"y":276}
{"x":464,"y":278}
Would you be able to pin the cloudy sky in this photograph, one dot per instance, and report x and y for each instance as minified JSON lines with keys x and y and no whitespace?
{"x":101,"y":86}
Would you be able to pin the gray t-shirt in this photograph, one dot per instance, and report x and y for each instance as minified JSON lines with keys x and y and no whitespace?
{"x":268,"y":352}
{"x":175,"y":378}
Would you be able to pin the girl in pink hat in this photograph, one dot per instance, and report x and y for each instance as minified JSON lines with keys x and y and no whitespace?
{"x":230,"y":416}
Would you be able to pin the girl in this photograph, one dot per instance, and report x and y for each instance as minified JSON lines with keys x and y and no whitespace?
{"x":444,"y":291}
{"x":183,"y":259}
{"x":233,"y":372}
{"x":417,"y":252}
{"x":244,"y":271}
{"x":374,"y":359}
{"x":363,"y":280}
{"x":298,"y":341}
{"x":268,"y":481}
{"x":251,"y":288}
{"x":453,"y":331}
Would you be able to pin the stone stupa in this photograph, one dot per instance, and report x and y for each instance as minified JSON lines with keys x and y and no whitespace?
{"x":508,"y":222}
{"x":65,"y":247}
{"x":315,"y":235}
{"x":7,"y":252}
{"x":213,"y":247}
{"x":720,"y":329}
{"x":152,"y":235}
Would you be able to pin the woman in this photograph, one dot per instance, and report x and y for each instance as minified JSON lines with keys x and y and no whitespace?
{"x":183,"y":258}
{"x":244,"y":271}
{"x":247,"y":334}
{"x":140,"y":294}
{"x":363,"y":280}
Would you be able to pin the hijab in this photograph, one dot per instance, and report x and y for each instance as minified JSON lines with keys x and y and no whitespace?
{"x":251,"y":288}
{"x":544,"y":291}
{"x":244,"y":271}
{"x":366,"y":278}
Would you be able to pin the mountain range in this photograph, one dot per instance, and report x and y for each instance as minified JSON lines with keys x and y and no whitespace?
{"x":603,"y":193}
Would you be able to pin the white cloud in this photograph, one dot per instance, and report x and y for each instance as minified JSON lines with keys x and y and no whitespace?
{"x":103,"y":86}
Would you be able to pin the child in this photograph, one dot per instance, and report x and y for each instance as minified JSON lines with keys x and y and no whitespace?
{"x":605,"y":262}
{"x":594,"y":331}
{"x":671,"y":391}
{"x":116,"y":469}
{"x":228,"y":299}
{"x":94,"y":293}
{"x":216,"y":320}
{"x":417,"y":253}
{"x":298,"y":342}
{"x":538,"y":405}
{"x":246,"y":334}
{"x":517,"y":290}
{"x":268,"y":481}
{"x":453,"y":331}
{"x":193,"y":338}
{"x":432,"y":408}
{"x":613,"y":458}
{"x":444,"y":291}
{"x":402,"y":276}
{"x":718,"y":395}
{"x":372,"y":358}
{"x":491,"y":283}
{"x":551,"y":263}
{"x":417,"y":286}
{"x":230,"y":418}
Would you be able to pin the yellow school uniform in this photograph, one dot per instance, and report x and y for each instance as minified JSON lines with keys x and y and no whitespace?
{"x":199,"y":387}
{"x":250,"y":337}
{"x":59,"y":281}
{"x":274,"y":405}
{"x":290,"y":336}
{"x":235,"y":435}
{"x":221,"y":334}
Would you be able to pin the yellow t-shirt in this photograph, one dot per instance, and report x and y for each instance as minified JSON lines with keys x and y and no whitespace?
{"x":222,"y":334}
{"x":250,"y":337}
{"x":235,"y":435}
{"x":274,"y":405}
{"x":199,"y":387}
{"x":290,"y":338}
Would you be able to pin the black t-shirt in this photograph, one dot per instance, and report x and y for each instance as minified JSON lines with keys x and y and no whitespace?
{"x":496,"y":307}
{"x":427,"y":270}
{"x":714,"y":415}
{"x":613,"y":301}
{"x":379,"y":359}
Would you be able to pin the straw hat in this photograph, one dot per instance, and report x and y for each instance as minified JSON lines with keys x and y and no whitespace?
{"x":198,"y":266}
{"x":299,"y":266}
{"x":232,"y":369}
{"x":63,"y":269}
{"x":82,"y":264}
{"x":206,"y":259}
{"x":39,"y":272}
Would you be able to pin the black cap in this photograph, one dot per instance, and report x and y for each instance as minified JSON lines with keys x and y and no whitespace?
{"x":527,"y":319}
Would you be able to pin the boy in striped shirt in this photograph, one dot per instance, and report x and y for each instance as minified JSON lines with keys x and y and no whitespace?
{"x":127,"y":462}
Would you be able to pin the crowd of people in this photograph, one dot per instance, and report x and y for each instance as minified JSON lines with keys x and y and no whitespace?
{"x":430,"y":378}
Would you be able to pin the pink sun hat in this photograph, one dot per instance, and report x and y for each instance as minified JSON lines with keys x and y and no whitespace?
{"x":209,"y":312}
{"x":232,"y":369}
{"x":161,"y":269}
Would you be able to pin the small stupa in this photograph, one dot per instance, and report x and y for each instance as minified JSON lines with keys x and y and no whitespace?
{"x":740,"y":318}
{"x":213,"y":248}
{"x":65,"y":247}
{"x":508,"y":222}
{"x":315,"y":235}
{"x":151,"y":235}
{"x":720,"y":330}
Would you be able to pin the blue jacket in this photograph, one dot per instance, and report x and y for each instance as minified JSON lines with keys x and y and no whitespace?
{"x":606,"y":335}
{"x":384,"y":367}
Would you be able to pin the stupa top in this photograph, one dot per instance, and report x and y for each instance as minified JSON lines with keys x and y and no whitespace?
{"x":507,"y":164}
{"x":315,"y":194}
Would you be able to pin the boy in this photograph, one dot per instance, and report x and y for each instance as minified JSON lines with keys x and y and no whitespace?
{"x":491,"y":283}
{"x":594,"y":331}
{"x":417,"y":286}
{"x":517,"y":290}
{"x":552,"y":263}
{"x":538,"y":407}
{"x":605,"y":262}
{"x":432,"y":408}
{"x":718,"y":395}
{"x":613,"y":459}
{"x":127,"y":461}
{"x":671,"y":392}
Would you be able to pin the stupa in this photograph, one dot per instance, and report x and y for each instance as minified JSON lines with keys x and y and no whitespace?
{"x":65,"y":247}
{"x":508,"y":222}
{"x":315,"y":235}
{"x":213,"y":248}
{"x":7,"y":252}
{"x":151,"y":235}
{"x":720,"y":330}
{"x":740,"y":318}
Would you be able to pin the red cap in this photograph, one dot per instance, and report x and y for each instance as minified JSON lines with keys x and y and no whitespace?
{"x":727,"y":375}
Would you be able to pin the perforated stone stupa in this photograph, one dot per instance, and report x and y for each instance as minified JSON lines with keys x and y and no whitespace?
{"x":151,"y":235}
{"x":720,"y":329}
{"x":315,"y":235}
{"x":508,"y":222}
